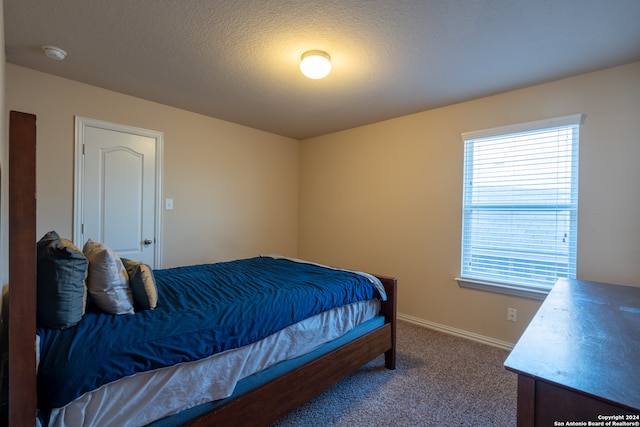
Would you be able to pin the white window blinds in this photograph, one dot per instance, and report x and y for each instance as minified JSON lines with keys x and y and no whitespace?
{"x":520,"y":203}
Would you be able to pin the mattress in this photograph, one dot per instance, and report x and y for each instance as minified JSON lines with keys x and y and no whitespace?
{"x":142,"y":398}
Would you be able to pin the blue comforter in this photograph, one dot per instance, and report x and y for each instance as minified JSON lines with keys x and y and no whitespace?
{"x":202,"y":310}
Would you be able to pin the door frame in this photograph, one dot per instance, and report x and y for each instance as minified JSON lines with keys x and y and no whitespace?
{"x":81,"y":123}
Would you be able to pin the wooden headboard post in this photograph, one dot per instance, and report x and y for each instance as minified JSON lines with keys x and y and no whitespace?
{"x":22,"y":269}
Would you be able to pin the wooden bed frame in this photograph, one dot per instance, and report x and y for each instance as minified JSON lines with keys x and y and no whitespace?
{"x":259,"y":407}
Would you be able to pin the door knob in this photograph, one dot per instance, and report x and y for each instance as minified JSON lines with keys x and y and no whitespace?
{"x":147,"y":242}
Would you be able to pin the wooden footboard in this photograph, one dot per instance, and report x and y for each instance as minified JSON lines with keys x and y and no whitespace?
{"x":264,"y":405}
{"x":389,"y":310}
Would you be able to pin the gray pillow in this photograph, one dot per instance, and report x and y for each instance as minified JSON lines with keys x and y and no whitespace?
{"x":61,"y":276}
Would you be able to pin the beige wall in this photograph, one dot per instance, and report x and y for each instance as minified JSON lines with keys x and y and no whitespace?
{"x":387,"y":197}
{"x":384,"y":198}
{"x":235,"y":189}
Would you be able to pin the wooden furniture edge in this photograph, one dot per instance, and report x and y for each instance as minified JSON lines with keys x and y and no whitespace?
{"x":390,"y":312}
{"x":265,"y":404}
{"x":526,"y":401}
{"x":22,"y":405}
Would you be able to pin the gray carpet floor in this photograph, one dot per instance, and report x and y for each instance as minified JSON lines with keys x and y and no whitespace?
{"x":440,"y":380}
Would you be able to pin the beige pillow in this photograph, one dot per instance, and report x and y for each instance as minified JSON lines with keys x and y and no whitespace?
{"x":107,"y":279}
{"x":142,"y":283}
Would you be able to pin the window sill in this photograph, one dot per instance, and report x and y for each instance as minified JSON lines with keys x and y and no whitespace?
{"x":532,"y":292}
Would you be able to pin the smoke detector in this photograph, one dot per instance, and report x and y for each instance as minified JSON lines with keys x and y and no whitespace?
{"x":54,"y":52}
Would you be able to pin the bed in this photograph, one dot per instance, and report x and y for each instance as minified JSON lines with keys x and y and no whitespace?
{"x":261,"y":394}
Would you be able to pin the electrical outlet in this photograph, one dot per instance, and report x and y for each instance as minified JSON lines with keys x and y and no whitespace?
{"x":512,"y":314}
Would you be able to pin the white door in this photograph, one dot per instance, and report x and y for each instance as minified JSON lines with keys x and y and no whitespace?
{"x":118,"y":189}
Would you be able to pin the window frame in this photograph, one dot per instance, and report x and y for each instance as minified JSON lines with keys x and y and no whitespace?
{"x":534,"y":291}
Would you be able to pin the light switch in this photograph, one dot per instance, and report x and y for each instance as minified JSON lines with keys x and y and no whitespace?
{"x":168,"y":204}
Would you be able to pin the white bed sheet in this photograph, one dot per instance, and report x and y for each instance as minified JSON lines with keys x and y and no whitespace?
{"x":142,"y":398}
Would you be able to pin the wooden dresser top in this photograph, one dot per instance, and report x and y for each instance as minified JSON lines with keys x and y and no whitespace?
{"x":585,"y":337}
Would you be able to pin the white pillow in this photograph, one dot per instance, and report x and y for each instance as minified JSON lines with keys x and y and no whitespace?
{"x":107,"y":281}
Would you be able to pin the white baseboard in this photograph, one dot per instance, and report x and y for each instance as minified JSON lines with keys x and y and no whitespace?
{"x":457,"y":332}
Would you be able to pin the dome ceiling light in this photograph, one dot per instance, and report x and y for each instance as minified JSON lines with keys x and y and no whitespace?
{"x":315,"y":64}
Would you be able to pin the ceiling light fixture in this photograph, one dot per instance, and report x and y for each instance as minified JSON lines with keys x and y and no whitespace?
{"x":315,"y":64}
{"x":54,"y":52}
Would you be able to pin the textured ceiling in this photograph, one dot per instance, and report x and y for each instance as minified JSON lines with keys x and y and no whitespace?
{"x":238,"y":60}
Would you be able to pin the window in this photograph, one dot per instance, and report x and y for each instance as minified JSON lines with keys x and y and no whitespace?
{"x":520,"y":206}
